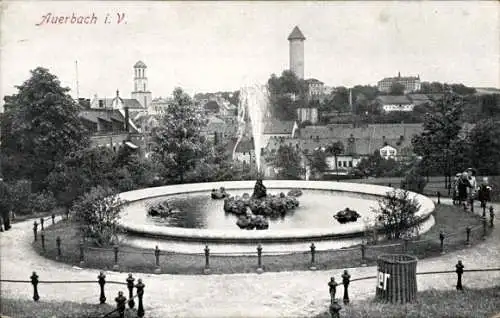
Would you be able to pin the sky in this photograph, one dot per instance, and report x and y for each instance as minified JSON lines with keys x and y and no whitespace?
{"x":221,"y":46}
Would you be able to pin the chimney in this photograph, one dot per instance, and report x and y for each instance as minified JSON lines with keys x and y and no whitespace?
{"x":399,"y":74}
{"x":126,"y":119}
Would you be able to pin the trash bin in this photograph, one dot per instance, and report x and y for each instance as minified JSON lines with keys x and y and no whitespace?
{"x":397,"y":278}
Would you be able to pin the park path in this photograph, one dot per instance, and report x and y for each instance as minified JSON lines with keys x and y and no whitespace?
{"x":284,"y":294}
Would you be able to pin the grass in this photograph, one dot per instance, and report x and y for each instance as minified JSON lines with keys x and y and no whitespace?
{"x":28,"y":309}
{"x":448,"y":218}
{"x":473,"y":303}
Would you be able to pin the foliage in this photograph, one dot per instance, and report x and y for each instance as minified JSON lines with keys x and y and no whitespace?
{"x":41,"y":127}
{"x":490,"y":105}
{"x":336,"y":149}
{"x":397,"y":89}
{"x":336,"y":101}
{"x":484,"y":146}
{"x":99,"y":211}
{"x":396,"y":214}
{"x":318,"y":161}
{"x":414,"y":179}
{"x":179,"y":144}
{"x":288,"y":161}
{"x":42,"y":201}
{"x":19,"y":195}
{"x":287,"y":93}
{"x":376,"y":166}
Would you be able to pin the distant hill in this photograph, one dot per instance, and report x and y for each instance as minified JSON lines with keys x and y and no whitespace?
{"x":487,"y":90}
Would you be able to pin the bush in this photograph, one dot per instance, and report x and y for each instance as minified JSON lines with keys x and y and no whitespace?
{"x":396,"y":214}
{"x":99,"y":211}
{"x":42,"y":201}
{"x":20,"y":194}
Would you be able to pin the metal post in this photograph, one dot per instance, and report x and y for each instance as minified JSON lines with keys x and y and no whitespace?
{"x":485,"y":223}
{"x":101,"y":279}
{"x":492,"y":215}
{"x":157,"y":260}
{"x":35,"y":228}
{"x":345,"y":281}
{"x":130,"y":286}
{"x":42,"y":236}
{"x":140,"y":293}
{"x":335,"y":309}
{"x":41,"y":224}
{"x":459,"y":270}
{"x":441,"y":238}
{"x":34,"y":281}
{"x":82,"y":251}
{"x":406,"y":242}
{"x":468,"y":229}
{"x":439,"y":197}
{"x":259,"y":259}
{"x":53,"y":219}
{"x":206,"y":270}
{"x":363,"y":254}
{"x":313,"y":258}
{"x":115,"y":249}
{"x":58,"y":244}
{"x":120,"y":304}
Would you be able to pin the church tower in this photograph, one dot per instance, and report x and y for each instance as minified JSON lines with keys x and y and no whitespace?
{"x":141,"y":92}
{"x":296,"y":39}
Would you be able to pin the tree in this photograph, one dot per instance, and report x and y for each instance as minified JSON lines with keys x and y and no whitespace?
{"x":99,"y":211}
{"x":288,"y":161}
{"x":287,"y":93}
{"x":376,"y":166}
{"x":336,"y":149}
{"x":397,"y":89}
{"x":41,"y":127}
{"x":396,"y":214}
{"x":179,"y":144}
{"x":318,"y":161}
{"x":484,"y":146}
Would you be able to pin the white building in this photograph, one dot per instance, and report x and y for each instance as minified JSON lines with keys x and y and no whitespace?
{"x":388,"y":152}
{"x":395,"y":103}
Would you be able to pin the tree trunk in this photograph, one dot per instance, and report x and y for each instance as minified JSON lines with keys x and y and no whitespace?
{"x":336,"y":168}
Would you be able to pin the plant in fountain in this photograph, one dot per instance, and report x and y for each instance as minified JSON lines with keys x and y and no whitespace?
{"x":396,"y":214}
{"x":98,"y":212}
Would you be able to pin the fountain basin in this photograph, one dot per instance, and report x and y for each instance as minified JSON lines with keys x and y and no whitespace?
{"x":236,"y":236}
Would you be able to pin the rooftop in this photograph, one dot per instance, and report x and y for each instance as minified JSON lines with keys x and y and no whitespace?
{"x":140,"y":64}
{"x":296,"y":34}
{"x":391,"y":100}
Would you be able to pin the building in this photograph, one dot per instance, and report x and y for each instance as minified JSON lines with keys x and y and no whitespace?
{"x":296,"y":40}
{"x":245,"y":152}
{"x":420,"y":99}
{"x":388,"y":152}
{"x":315,"y":89}
{"x":141,"y":92}
{"x":390,"y":103}
{"x":307,"y":114}
{"x":110,"y":128}
{"x":411,"y":83}
{"x":278,"y":128}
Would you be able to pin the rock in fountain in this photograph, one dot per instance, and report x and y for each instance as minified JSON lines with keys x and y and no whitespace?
{"x":161,"y":209}
{"x":219,"y":194}
{"x":346,"y":215}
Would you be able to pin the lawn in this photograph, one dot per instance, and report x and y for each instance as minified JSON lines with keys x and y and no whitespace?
{"x":448,"y":218}
{"x":16,"y":308}
{"x":473,"y":303}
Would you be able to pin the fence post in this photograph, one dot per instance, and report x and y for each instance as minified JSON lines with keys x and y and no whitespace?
{"x":58,"y":244}
{"x":468,"y":229}
{"x":82,"y":251}
{"x":34,"y":281}
{"x":157,"y":260}
{"x":102,"y":280}
{"x":483,"y":205}
{"x":485,"y":223}
{"x":363,"y":254}
{"x":335,"y":309}
{"x":406,"y":242}
{"x":332,"y":284}
{"x":115,"y":250}
{"x":41,"y":224}
{"x":120,"y":304}
{"x":35,"y":229}
{"x":313,"y":258}
{"x":207,"y":270}
{"x":471,"y":201}
{"x":345,"y":281}
{"x":259,"y":259}
{"x":492,"y":215}
{"x":459,"y":271}
{"x":140,"y":293}
{"x":42,"y":236}
{"x":439,"y":197}
{"x":53,"y":219}
{"x":130,"y":286}
{"x":441,"y":238}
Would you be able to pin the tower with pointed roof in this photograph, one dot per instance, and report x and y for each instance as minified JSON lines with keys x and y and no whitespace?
{"x":141,"y":92}
{"x":296,"y":40}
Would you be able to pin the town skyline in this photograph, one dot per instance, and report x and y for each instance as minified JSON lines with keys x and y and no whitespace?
{"x":223,"y":46}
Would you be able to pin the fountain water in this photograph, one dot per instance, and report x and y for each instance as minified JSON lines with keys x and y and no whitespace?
{"x":254,"y":101}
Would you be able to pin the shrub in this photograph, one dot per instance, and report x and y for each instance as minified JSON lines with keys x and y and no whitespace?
{"x":42,"y":201}
{"x":99,"y":211}
{"x":20,"y":194}
{"x":396,"y":214}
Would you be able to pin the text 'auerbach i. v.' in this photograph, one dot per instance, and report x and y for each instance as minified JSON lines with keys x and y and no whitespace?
{"x":50,"y":18}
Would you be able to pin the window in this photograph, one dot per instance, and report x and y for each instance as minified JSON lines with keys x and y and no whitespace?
{"x":383,"y":153}
{"x":350,"y":164}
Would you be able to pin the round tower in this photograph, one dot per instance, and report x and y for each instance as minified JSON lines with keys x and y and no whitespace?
{"x":296,"y":39}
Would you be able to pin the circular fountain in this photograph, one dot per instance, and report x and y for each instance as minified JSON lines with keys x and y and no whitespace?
{"x":203,"y":221}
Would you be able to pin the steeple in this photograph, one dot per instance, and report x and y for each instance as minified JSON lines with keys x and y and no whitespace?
{"x":296,"y":34}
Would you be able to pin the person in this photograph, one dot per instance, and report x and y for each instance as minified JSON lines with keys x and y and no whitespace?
{"x":472,"y":190}
{"x":463,"y":186}
{"x":456,"y":200}
{"x":4,"y":206}
{"x":484,"y":193}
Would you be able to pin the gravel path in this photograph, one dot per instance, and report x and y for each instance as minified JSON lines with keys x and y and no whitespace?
{"x":284,"y":294}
